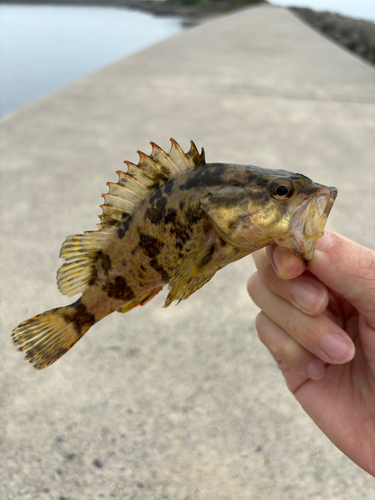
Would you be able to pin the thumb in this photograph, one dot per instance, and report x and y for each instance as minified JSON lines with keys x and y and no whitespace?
{"x":348,"y":269}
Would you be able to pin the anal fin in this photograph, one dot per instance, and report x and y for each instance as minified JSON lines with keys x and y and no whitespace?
{"x":140,"y":301}
{"x":192,"y":271}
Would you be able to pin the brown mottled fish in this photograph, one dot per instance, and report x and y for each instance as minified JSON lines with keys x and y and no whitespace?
{"x":172,"y":219}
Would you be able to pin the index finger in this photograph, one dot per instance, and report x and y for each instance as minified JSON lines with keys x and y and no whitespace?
{"x":285,"y":264}
{"x":304,"y":291}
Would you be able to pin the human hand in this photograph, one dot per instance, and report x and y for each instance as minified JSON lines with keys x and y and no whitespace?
{"x":318,"y":321}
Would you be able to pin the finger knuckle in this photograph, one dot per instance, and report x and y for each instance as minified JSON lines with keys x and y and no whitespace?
{"x":292,"y":355}
{"x":253,"y":284}
{"x":366,"y":266}
{"x":287,"y":351}
{"x":261,"y":327}
{"x":291,"y":325}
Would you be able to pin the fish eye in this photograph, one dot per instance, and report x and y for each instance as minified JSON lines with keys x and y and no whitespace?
{"x":281,"y":189}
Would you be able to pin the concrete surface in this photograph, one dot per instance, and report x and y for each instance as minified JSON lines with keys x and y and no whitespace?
{"x":184,"y":403}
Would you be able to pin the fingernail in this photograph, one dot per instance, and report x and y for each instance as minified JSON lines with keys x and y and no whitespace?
{"x":324,"y":242}
{"x":308,"y":297}
{"x":315,"y":369}
{"x":337,"y":347}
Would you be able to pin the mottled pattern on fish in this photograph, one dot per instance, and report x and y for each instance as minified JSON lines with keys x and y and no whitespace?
{"x":172,"y":219}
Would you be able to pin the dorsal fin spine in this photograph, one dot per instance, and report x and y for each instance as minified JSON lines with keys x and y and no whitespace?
{"x":148,"y":162}
{"x":151,"y":171}
{"x":128,"y":176}
{"x":117,"y":186}
{"x":116,"y":201}
{"x":81,"y":251}
{"x":110,"y":212}
{"x":138,"y":175}
{"x":194,"y":156}
{"x":157,"y":151}
{"x":176,"y":150}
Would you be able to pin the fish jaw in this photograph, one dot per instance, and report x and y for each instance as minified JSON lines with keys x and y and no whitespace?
{"x":308,"y":223}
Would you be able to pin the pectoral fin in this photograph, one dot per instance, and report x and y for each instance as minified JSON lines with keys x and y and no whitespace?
{"x":191,"y":272}
{"x":140,"y":301}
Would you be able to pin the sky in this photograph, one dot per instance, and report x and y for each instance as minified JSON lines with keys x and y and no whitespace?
{"x":362,"y":9}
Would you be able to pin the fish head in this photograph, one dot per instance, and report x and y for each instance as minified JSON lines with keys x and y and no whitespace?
{"x":304,"y":206}
{"x":272,"y":206}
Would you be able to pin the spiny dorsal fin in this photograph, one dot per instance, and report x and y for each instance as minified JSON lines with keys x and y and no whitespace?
{"x":81,"y":251}
{"x":134,"y":185}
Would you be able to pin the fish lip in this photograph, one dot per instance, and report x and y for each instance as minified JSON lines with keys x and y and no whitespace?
{"x":316,"y":217}
{"x":309,"y":221}
{"x":331,"y":201}
{"x":317,"y":212}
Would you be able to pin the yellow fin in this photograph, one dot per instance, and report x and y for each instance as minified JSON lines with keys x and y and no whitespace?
{"x":140,"y":301}
{"x":80,"y":253}
{"x":48,"y":336}
{"x":191,"y":272}
{"x":133,"y":186}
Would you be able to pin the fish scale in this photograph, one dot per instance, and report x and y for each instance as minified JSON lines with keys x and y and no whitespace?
{"x":174,"y":220}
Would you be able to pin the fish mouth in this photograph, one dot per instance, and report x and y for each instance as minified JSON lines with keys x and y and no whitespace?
{"x":318,"y":211}
{"x":309,"y":222}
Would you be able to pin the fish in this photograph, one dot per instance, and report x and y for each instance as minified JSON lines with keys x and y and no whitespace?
{"x":172,"y":219}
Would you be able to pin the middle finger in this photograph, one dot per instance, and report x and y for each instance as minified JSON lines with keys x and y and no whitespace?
{"x":318,"y":334}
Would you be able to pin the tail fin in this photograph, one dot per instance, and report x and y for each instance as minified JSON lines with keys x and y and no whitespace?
{"x":48,"y":336}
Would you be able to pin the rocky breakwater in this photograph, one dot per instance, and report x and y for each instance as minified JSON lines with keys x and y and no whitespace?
{"x":356,"y":35}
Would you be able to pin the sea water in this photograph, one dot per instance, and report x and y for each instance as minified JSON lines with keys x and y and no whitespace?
{"x":44,"y":47}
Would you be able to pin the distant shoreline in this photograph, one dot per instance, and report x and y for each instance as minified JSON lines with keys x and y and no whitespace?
{"x":356,"y":35}
{"x":173,"y":8}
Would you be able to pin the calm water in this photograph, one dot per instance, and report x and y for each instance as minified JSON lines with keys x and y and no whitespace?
{"x":45,"y":47}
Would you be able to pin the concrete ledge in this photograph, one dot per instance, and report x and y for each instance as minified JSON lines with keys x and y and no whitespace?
{"x":183,"y":403}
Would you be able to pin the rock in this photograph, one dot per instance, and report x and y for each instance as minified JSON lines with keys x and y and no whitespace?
{"x":356,"y":35}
